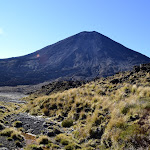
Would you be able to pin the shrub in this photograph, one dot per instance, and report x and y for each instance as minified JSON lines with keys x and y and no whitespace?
{"x":17,"y":124}
{"x":10,"y":132}
{"x":126,"y":89}
{"x":147,"y":107}
{"x":43,"y":140}
{"x":21,"y":129}
{"x":9,"y":139}
{"x":59,"y":137}
{"x":53,"y":106}
{"x":1,"y":121}
{"x":64,"y":142}
{"x":134,"y":89}
{"x":96,"y":132}
{"x":63,"y":139}
{"x":67,"y":123}
{"x":55,"y":146}
{"x":121,"y":125}
{"x":6,"y":122}
{"x":98,"y":120}
{"x":50,"y":133}
{"x":2,"y":111}
{"x":17,"y":136}
{"x":126,"y":109}
{"x":33,"y":147}
{"x":2,"y":126}
{"x":34,"y":112}
{"x":7,"y":132}
{"x":72,"y":146}
{"x":18,"y":144}
{"x":69,"y":147}
{"x":45,"y":111}
{"x":52,"y":146}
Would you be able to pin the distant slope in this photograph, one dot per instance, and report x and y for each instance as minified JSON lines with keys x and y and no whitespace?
{"x":83,"y":56}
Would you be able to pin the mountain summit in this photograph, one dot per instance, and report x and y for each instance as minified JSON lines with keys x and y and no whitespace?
{"x":83,"y":56}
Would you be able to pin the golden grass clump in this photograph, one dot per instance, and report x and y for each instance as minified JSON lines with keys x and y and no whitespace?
{"x":43,"y":139}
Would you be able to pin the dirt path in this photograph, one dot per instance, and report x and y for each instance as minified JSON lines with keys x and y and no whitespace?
{"x":12,"y":97}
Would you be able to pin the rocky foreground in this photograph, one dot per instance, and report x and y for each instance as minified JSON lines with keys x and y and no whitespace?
{"x":29,"y":125}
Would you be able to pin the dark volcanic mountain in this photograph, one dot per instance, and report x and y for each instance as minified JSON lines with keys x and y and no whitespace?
{"x":83,"y":56}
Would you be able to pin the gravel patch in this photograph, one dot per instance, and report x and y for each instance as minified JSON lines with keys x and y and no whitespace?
{"x":12,"y":97}
{"x":32,"y":124}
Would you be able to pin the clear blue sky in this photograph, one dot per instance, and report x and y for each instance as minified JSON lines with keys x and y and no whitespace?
{"x":29,"y":25}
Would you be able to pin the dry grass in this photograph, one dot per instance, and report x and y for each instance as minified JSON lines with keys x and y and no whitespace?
{"x":118,"y":108}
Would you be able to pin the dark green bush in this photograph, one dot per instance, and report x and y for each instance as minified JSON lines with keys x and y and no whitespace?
{"x":67,"y":123}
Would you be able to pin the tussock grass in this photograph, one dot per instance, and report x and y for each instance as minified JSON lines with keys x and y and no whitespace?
{"x":120,"y":109}
{"x":14,"y":134}
{"x":43,"y":140}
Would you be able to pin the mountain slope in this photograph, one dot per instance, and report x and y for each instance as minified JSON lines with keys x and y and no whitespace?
{"x":108,"y":113}
{"x":83,"y":56}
